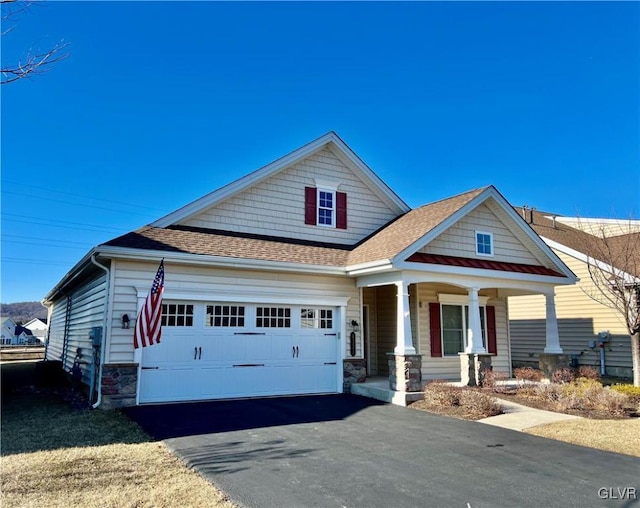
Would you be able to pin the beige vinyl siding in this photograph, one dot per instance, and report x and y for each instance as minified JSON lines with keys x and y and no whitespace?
{"x":369,"y":297}
{"x":276,"y":205}
{"x":448,"y":367}
{"x":211,"y":284}
{"x":57,"y":323}
{"x":580,"y":318}
{"x":460,"y":240}
{"x":72,"y":321}
{"x":386,"y":321}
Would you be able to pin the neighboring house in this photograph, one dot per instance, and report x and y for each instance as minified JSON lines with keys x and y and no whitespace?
{"x":580,"y":319}
{"x":38,"y":329}
{"x":14,"y":335}
{"x":302,"y":277}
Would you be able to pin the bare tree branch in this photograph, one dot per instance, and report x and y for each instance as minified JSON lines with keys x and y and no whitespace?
{"x":613,"y":261}
{"x":35,"y":61}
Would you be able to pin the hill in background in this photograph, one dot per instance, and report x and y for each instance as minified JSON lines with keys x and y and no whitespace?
{"x":22,"y":312}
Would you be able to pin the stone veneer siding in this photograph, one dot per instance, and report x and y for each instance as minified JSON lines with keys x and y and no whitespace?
{"x":473,"y":367}
{"x":551,"y":362}
{"x":354,"y":371}
{"x":119,"y":384}
{"x":405,"y":372}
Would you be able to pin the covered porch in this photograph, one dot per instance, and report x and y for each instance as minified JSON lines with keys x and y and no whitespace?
{"x":419,"y":326}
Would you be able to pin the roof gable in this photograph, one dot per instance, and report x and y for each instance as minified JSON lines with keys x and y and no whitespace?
{"x":330,"y":141}
{"x":416,"y":230}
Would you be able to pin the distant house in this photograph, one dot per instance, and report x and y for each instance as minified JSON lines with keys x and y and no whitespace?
{"x":12,"y":334}
{"x":38,"y":328}
{"x":589,"y":331}
{"x":304,"y":276}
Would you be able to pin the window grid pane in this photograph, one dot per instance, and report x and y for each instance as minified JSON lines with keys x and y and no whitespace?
{"x":483,"y":243}
{"x":316,"y":318}
{"x":177,"y":315}
{"x":273,"y":317}
{"x":231,"y":316}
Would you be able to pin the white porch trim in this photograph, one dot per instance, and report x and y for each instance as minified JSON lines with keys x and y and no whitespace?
{"x":474,"y":331}
{"x":553,"y":338}
{"x":404,"y":340}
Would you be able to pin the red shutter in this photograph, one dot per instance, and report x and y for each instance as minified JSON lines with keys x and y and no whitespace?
{"x":310,"y":205}
{"x":492,"y":340}
{"x":434,"y":325}
{"x":341,"y":210}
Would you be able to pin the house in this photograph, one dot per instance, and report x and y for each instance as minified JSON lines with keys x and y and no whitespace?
{"x":305,"y":276}
{"x":13,"y":334}
{"x":590,"y":333}
{"x":38,"y":329}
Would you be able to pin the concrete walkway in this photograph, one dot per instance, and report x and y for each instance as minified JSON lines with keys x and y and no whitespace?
{"x":519,"y":417}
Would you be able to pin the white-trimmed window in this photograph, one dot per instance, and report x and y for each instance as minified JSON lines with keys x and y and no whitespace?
{"x":455,"y":324}
{"x":273,"y":317}
{"x":326,"y":208}
{"x":177,"y":314}
{"x":316,"y":318}
{"x":223,"y":316}
{"x":484,"y":243}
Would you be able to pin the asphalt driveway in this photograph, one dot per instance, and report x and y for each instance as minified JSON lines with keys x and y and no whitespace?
{"x":348,"y":451}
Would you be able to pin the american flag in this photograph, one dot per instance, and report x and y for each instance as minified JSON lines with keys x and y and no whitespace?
{"x":148,"y":325}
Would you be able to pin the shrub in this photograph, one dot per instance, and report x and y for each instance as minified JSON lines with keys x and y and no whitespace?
{"x":440,"y":393}
{"x":528,"y":374}
{"x":470,"y":401}
{"x":588,"y":372}
{"x":633,"y":392}
{"x":479,"y":403}
{"x":495,"y":381}
{"x":583,"y":394}
{"x":564,"y":375}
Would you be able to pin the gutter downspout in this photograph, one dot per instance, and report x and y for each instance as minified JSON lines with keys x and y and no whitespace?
{"x":104,"y":334}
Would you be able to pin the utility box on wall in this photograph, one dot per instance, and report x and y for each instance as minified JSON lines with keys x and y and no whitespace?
{"x":96,"y":336}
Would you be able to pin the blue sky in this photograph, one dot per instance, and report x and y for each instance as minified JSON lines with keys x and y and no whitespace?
{"x":161,"y":103}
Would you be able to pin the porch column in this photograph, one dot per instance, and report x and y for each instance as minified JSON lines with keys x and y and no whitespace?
{"x":553,"y":339}
{"x":404,"y":341}
{"x":474,"y":330}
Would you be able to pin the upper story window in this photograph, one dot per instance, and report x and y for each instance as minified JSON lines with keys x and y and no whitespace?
{"x":484,"y":243}
{"x":325,"y":207}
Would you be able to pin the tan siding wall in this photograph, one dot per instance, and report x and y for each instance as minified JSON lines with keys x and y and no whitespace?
{"x":449,"y":367}
{"x":579,"y":320}
{"x":209,"y":284}
{"x":460,"y":240}
{"x":276,"y":205}
{"x":86,"y":311}
{"x":56,"y":329}
{"x":387,"y":316}
{"x":369,"y":299}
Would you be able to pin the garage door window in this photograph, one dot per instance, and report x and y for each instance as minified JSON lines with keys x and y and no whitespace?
{"x":316,"y":318}
{"x":177,"y":314}
{"x":273,"y":317}
{"x":225,"y":316}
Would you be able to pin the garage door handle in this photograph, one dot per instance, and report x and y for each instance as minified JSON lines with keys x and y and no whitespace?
{"x":199,"y":353}
{"x":297,"y":352}
{"x":195,"y":353}
{"x":293,"y":352}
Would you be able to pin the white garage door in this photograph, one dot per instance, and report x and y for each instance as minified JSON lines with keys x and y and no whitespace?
{"x":212,"y":350}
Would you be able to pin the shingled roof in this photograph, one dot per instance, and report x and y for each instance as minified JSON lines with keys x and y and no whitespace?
{"x":408,"y":229}
{"x":381,"y":245}
{"x":586,"y":243}
{"x":231,"y":245}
